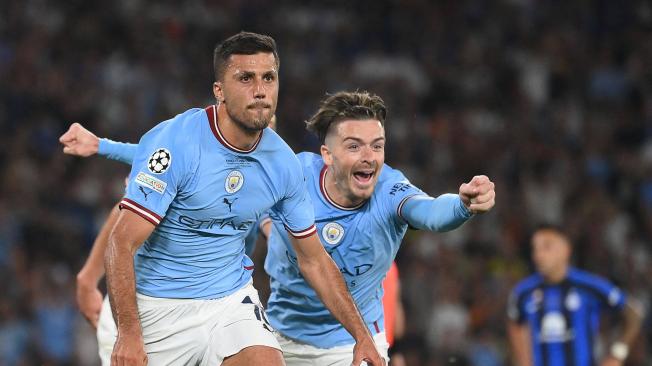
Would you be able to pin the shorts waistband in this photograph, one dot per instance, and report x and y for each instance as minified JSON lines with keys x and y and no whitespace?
{"x":164,"y":301}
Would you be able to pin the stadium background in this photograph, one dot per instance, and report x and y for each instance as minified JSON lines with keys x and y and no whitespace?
{"x":551,"y":99}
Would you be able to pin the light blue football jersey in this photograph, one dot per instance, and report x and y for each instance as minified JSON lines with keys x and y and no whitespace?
{"x":124,"y":152}
{"x":362,"y":241}
{"x":205,"y":196}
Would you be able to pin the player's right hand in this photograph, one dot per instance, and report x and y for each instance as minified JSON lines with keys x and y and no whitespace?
{"x":365,"y":350}
{"x":129,"y":350}
{"x":89,"y":301}
{"x":478,"y":195}
{"x":79,"y":141}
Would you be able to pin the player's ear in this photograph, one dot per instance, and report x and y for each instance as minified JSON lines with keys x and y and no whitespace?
{"x":326,"y":154}
{"x":217,"y":91}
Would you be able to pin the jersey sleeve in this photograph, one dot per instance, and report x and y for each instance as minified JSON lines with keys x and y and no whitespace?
{"x":119,"y":151}
{"x":397,"y":190}
{"x":409,"y":204}
{"x":444,"y":213}
{"x":612,"y":297}
{"x":265,"y":218}
{"x":515,"y":312}
{"x":160,"y":167}
{"x":295,"y":210}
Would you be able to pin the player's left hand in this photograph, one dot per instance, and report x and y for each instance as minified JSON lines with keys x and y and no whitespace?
{"x":89,"y":301}
{"x":478,"y":195}
{"x":611,"y":361}
{"x":365,"y":351}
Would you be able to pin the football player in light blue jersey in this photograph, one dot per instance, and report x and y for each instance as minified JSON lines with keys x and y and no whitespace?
{"x":178,"y":279}
{"x":363,"y":208}
{"x":95,"y":309}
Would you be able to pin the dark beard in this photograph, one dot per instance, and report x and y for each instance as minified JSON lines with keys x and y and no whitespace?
{"x":253,"y":129}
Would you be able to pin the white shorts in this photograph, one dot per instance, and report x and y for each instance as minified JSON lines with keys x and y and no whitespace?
{"x":106,"y":333}
{"x":301,"y":354}
{"x":196,"y":332}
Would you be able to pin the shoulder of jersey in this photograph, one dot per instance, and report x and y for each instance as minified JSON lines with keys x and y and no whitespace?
{"x":180,"y":127}
{"x":388,"y":177}
{"x":309,"y":160}
{"x":587,"y":278}
{"x":272,"y":140}
{"x":528,"y":283}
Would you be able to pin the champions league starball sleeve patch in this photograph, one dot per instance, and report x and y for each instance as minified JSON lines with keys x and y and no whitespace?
{"x":159,"y":161}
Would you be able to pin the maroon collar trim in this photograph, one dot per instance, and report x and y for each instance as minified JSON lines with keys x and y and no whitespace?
{"x":322,"y":188}
{"x":211,"y":113}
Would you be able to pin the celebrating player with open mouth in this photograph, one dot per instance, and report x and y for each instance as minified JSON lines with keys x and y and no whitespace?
{"x":362,"y":209}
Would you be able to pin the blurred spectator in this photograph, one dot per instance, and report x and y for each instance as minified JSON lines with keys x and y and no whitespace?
{"x":14,"y":334}
{"x":449,"y":321}
{"x":55,"y":315}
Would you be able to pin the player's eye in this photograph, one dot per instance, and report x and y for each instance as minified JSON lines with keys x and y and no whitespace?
{"x":245,"y":78}
{"x":269,"y":78}
{"x":353,"y":147}
{"x":379,"y":147}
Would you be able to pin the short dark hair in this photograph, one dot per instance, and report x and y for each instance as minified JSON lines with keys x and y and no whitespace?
{"x":243,"y":43}
{"x":357,"y":105}
{"x":551,"y":227}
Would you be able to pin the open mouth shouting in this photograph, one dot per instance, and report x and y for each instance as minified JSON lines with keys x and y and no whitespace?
{"x":364,"y":177}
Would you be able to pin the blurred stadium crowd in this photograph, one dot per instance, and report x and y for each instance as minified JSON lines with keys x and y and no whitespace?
{"x":551,"y":99}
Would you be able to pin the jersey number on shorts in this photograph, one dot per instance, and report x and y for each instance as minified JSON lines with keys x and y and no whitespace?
{"x":260,"y":315}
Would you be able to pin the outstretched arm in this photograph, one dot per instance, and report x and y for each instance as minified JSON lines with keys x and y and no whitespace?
{"x":444,"y":213}
{"x":322,"y":274}
{"x":89,"y":297}
{"x":120,"y":151}
{"x":449,"y":211}
{"x":79,"y":141}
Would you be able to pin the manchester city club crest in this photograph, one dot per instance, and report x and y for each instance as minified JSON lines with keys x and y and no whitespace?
{"x":234,"y":182}
{"x":332,"y":233}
